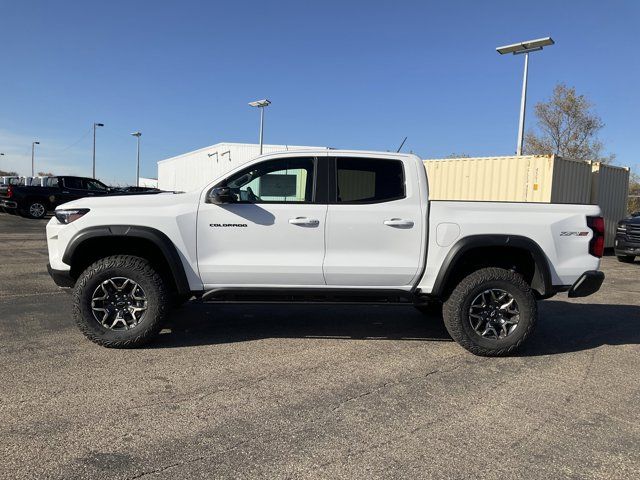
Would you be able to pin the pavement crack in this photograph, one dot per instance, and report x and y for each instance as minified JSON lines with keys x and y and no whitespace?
{"x":200,"y":458}
{"x":380,"y":388}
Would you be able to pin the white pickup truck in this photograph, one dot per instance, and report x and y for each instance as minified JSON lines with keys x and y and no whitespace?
{"x":322,"y":226}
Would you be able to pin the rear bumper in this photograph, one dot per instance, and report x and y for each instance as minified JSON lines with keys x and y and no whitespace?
{"x":62,"y":278}
{"x":588,"y":283}
{"x":8,"y":204}
{"x":622,"y":246}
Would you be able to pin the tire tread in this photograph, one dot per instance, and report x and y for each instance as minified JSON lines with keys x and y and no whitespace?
{"x":137,"y":264}
{"x":452,"y":315}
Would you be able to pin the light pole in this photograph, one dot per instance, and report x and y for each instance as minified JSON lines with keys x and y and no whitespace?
{"x":261,"y":104}
{"x":138,"y":135}
{"x":33,"y":153}
{"x":94,"y":146}
{"x":517,"y":49}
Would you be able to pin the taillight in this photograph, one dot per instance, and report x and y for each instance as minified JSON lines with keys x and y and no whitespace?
{"x":596,"y":245}
{"x":9,"y":191}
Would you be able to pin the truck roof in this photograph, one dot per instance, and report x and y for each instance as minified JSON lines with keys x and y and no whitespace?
{"x":339,"y":152}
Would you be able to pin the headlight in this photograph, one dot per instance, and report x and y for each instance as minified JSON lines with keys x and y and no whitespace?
{"x":70,"y":215}
{"x":622,"y":228}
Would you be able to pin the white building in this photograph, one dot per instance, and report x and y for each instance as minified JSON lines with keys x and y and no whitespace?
{"x":149,"y":182}
{"x":194,"y":170}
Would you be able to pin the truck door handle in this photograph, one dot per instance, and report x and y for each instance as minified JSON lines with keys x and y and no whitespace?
{"x":399,"y":222}
{"x":304,"y":221}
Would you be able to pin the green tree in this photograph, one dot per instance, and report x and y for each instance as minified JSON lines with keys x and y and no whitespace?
{"x":567,"y":126}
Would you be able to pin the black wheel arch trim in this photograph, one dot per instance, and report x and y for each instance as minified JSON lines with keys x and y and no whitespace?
{"x":158,"y":238}
{"x":541,"y":282}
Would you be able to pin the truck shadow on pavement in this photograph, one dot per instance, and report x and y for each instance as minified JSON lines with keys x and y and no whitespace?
{"x":562,"y":327}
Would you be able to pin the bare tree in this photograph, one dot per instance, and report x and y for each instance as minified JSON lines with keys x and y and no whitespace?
{"x":634,"y":194}
{"x":45,"y":174}
{"x":8,"y":174}
{"x":567,"y":126}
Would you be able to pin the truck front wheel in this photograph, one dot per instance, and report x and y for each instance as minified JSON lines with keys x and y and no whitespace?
{"x":491,"y":312}
{"x":120,"y":301}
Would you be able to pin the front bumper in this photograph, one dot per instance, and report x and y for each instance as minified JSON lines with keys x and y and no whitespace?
{"x":8,"y":204}
{"x":622,"y":246}
{"x":588,"y":283}
{"x":62,"y":278}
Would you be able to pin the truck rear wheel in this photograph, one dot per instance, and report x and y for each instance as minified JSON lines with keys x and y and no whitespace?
{"x":120,"y":301}
{"x":35,"y":209}
{"x":491,"y":312}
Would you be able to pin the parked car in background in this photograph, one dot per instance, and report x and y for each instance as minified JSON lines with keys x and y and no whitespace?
{"x":36,"y":201}
{"x":627,"y":242}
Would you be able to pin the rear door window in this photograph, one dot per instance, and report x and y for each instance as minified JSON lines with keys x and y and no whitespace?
{"x":362,"y":180}
{"x":71,"y":182}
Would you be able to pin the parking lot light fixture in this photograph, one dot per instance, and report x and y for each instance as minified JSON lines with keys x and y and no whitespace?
{"x":138,"y":135}
{"x":261,"y":104}
{"x":517,"y":49}
{"x":94,"y":146}
{"x":33,"y":154}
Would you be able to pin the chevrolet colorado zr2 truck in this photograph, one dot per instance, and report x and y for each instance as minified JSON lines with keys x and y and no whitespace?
{"x":322,"y":226}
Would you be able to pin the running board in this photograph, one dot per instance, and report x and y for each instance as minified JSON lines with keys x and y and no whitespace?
{"x":309,"y":295}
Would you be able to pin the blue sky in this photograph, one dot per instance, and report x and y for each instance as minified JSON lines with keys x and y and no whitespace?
{"x":346,"y":74}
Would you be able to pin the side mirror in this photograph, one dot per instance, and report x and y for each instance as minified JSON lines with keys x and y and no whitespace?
{"x":221,"y":195}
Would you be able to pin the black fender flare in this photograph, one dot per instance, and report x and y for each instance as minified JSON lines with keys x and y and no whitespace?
{"x":158,"y":238}
{"x":542,"y":275}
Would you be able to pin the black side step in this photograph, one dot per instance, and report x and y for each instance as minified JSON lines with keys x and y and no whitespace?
{"x":308,"y":295}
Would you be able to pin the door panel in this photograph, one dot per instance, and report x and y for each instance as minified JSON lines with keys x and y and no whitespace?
{"x":374,"y":234}
{"x":273,"y":233}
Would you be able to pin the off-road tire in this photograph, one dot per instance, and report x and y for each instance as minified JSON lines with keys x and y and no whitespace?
{"x":456,"y":311}
{"x":140,"y":271}
{"x":626,"y":258}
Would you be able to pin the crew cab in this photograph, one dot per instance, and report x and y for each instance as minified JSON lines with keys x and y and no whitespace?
{"x":323,"y":226}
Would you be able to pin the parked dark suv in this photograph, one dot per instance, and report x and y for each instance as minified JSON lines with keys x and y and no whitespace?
{"x":627,"y":244}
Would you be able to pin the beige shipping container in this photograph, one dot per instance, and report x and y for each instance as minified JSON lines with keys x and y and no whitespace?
{"x":527,"y":178}
{"x":609,"y":190}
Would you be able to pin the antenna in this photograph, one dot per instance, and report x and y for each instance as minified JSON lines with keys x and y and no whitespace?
{"x":401,"y":145}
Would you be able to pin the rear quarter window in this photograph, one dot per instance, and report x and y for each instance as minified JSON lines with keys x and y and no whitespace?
{"x":361,"y":180}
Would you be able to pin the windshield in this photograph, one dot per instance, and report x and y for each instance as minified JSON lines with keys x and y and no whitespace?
{"x":95,"y":185}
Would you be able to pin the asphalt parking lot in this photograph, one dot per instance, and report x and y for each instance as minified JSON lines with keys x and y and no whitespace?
{"x":313,"y":392}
